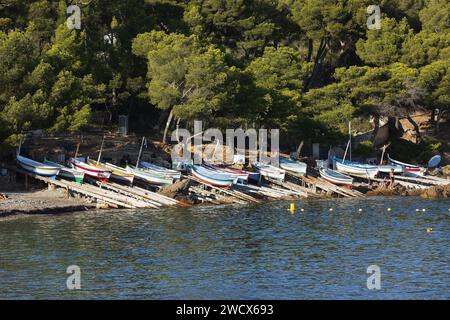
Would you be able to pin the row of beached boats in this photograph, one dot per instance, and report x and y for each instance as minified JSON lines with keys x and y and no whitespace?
{"x":220,"y":176}
{"x":77,"y":169}
{"x":345,"y":170}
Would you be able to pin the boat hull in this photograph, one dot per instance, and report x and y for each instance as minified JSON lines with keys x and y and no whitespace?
{"x":118,"y":174}
{"x":293,"y":166}
{"x":208,"y":177}
{"x":241,"y":175}
{"x":176,"y":175}
{"x":271,"y":172}
{"x":388,"y":168}
{"x":68,"y":173}
{"x":336,"y":177}
{"x":37,"y":167}
{"x":410,"y":170}
{"x":147,"y":177}
{"x":356,"y":169}
{"x":97,"y":174}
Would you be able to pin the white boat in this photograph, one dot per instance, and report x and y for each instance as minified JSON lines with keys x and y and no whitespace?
{"x":94,"y":172}
{"x":293,"y":166}
{"x":270,"y":171}
{"x":176,"y":175}
{"x":149,"y":177}
{"x":213,"y":177}
{"x":355,"y":168}
{"x":389,"y":168}
{"x":336,"y":177}
{"x":66,"y":172}
{"x":240,"y":174}
{"x":409,"y":169}
{"x":38,"y":168}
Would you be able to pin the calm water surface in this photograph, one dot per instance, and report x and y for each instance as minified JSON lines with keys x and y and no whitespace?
{"x":233,"y":252}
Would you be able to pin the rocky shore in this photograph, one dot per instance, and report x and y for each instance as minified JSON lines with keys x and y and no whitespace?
{"x":434,"y":192}
{"x":40,"y":202}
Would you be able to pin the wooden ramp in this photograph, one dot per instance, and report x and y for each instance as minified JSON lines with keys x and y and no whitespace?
{"x":319,"y":185}
{"x":112,"y":194}
{"x":233,"y":192}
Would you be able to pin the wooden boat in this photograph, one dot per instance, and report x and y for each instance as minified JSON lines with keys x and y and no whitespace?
{"x":38,"y":168}
{"x":270,"y":171}
{"x":66,"y":172}
{"x":240,"y":174}
{"x":118,"y":174}
{"x":336,"y":177}
{"x":149,"y":177}
{"x":213,"y":177}
{"x":176,"y":175}
{"x":101,"y":175}
{"x":293,"y":166}
{"x":356,"y":168}
{"x":389,"y":168}
{"x":409,"y":169}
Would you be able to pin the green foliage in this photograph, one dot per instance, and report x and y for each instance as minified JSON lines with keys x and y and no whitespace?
{"x":364,"y":148}
{"x":383,"y":46}
{"x":279,"y":76}
{"x":183,"y":74}
{"x":304,"y":66}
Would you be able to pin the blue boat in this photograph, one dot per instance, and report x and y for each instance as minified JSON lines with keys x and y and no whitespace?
{"x":293,"y":166}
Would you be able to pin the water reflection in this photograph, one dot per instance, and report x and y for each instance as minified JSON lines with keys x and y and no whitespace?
{"x":233,"y":252}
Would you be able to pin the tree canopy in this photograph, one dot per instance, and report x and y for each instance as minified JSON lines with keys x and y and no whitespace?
{"x":304,"y":66}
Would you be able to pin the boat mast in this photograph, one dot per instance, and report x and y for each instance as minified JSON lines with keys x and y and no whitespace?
{"x":350,"y":139}
{"x":101,"y":149}
{"x":140,"y":153}
{"x":382,"y":155}
{"x":76,"y":152}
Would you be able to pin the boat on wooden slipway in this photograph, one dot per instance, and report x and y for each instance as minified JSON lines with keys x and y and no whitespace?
{"x":270,"y":171}
{"x":293,"y":166}
{"x":355,"y":168}
{"x":118,"y":174}
{"x":409,"y":169}
{"x":149,"y":177}
{"x":336,"y":177}
{"x":242,"y":175}
{"x":387,"y":168}
{"x":36,"y":167}
{"x":176,"y":175}
{"x":101,"y":175}
{"x":66,"y":172}
{"x":213,"y":177}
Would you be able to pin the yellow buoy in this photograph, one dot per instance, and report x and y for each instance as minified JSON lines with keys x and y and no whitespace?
{"x":292,"y":208}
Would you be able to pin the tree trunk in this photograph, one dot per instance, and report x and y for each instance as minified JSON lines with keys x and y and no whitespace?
{"x":416,"y":128}
{"x":321,"y":52}
{"x":310,"y":49}
{"x":166,"y":129}
{"x":376,"y":123}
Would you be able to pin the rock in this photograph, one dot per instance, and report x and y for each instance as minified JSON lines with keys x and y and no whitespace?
{"x":446,"y":170}
{"x":177,"y":189}
{"x":436,"y":192}
{"x":3,"y":196}
{"x":101,"y":206}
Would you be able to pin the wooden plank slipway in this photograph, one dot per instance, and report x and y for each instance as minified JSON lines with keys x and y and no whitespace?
{"x":114,"y":195}
{"x":326,"y":186}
